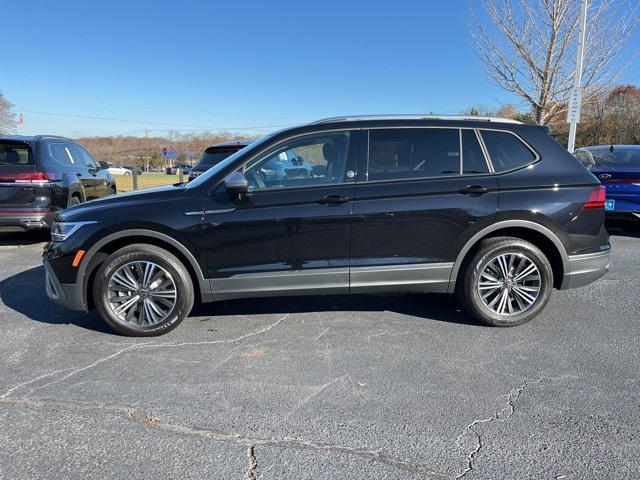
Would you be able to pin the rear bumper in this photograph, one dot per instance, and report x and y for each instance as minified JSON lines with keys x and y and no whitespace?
{"x":585,"y":269}
{"x":68,"y":295}
{"x":27,"y":220}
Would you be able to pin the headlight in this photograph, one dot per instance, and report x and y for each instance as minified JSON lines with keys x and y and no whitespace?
{"x":60,"y":231}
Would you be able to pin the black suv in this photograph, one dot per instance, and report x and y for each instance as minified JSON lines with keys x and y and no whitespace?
{"x":40,"y":175}
{"x":215,"y":154}
{"x":493,"y":210}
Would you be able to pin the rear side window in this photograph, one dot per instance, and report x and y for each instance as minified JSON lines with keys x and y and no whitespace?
{"x":472,"y":157}
{"x":413,"y":153}
{"x":214,"y":156}
{"x":15,"y":153}
{"x":506,"y":151}
{"x":60,"y":154}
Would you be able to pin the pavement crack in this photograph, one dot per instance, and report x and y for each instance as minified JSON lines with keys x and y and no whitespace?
{"x":502,"y":414}
{"x":145,"y":418}
{"x":253,"y":463}
{"x":136,"y":346}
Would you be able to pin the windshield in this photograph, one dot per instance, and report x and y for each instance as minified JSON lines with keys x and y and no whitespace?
{"x":215,"y":156}
{"x":220,"y":166}
{"x":621,"y":157}
{"x":15,"y":154}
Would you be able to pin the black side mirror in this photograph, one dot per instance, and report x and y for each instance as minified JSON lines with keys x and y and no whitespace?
{"x":236,"y":184}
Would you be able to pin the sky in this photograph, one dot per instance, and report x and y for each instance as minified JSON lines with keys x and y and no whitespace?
{"x":80,"y":68}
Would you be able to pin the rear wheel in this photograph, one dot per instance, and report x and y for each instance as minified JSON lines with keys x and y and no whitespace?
{"x":143,"y":290}
{"x":74,"y":200}
{"x":507,"y":282}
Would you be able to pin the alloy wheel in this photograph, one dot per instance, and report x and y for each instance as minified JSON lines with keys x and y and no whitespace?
{"x":509,"y":284}
{"x":142,"y":293}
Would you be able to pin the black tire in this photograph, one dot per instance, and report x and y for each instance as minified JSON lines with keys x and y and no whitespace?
{"x":161,"y":258}
{"x":73,"y":201}
{"x":127,"y":173}
{"x":113,"y":190}
{"x":468,"y":287}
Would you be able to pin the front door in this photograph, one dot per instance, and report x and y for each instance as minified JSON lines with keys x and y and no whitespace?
{"x":290,"y":233}
{"x":93,"y":175}
{"x":423,"y":188}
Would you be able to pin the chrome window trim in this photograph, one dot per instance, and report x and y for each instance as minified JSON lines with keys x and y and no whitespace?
{"x":461,"y":152}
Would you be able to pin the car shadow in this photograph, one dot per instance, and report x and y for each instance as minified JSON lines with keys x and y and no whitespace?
{"x":623,"y":228}
{"x":30,"y":237}
{"x":25,"y":294}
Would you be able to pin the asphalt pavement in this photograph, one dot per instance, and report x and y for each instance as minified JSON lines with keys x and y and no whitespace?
{"x":364,"y":386}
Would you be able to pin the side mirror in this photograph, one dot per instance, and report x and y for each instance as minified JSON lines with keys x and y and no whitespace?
{"x":236,"y":184}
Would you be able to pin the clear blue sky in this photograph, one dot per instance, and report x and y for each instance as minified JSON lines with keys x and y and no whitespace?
{"x":194,"y":65}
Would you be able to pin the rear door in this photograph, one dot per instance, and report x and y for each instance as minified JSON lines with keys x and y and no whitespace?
{"x":17,"y":167}
{"x":423,"y":188}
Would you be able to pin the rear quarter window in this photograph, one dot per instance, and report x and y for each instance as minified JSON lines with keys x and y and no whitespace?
{"x":15,"y":154}
{"x":59,"y":154}
{"x":506,"y":151}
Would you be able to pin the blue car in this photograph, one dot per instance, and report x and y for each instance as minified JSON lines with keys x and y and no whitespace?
{"x":618,"y":168}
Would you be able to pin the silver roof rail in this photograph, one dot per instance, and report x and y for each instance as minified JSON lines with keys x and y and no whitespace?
{"x":353,"y":118}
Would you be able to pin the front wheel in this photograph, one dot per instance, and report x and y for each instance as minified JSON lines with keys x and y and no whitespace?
{"x":143,"y":290}
{"x":507,"y":282}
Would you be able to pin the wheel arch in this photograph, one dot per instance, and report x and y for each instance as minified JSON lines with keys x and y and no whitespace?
{"x":539,"y":235}
{"x":100,"y":251}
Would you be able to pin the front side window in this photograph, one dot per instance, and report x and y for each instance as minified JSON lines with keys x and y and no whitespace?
{"x":80,"y":153}
{"x":312,"y":160}
{"x":15,"y":153}
{"x":506,"y":151}
{"x":413,"y":153}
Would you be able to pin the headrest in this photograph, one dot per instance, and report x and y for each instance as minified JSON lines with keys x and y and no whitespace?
{"x":329,"y":152}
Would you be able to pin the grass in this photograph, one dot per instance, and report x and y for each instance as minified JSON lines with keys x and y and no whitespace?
{"x":146,"y":180}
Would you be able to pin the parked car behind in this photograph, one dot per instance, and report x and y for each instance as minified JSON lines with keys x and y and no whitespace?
{"x":214,"y":154}
{"x":618,"y":168}
{"x":173,"y":170}
{"x":493,"y":210}
{"x":40,"y":175}
{"x":114,"y":169}
{"x":132,"y":168}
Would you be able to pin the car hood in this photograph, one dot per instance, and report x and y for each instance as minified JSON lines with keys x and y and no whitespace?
{"x":151,"y":195}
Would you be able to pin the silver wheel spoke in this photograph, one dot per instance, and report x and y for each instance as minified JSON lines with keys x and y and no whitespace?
{"x":142,"y":293}
{"x":509,"y":284}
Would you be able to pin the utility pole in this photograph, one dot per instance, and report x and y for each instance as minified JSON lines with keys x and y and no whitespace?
{"x":145,"y":163}
{"x":575,"y":99}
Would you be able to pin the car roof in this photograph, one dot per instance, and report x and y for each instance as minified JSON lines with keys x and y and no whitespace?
{"x":33,"y":138}
{"x":356,"y":118}
{"x":233,"y":143}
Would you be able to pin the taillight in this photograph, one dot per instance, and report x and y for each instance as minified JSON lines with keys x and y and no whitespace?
{"x":596,"y":198}
{"x":29,"y":177}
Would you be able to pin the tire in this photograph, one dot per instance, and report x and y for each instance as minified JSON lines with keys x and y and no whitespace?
{"x":515,"y":310}
{"x":145,"y":321}
{"x":73,"y":201}
{"x":127,"y":173}
{"x":113,"y":191}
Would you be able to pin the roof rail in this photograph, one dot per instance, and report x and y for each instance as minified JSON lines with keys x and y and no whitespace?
{"x":353,"y":118}
{"x":41,"y":137}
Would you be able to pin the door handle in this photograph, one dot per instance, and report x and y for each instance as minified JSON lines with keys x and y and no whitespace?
{"x":333,"y":199}
{"x":474,"y":190}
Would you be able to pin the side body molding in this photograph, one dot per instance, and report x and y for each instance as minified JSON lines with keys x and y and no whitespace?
{"x":498,"y":226}
{"x":203,"y":284}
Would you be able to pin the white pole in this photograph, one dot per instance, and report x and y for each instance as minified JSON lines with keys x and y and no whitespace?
{"x":578,"y":76}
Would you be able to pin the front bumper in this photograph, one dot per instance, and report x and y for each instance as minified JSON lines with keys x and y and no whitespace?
{"x":68,"y":295}
{"x":585,"y":269}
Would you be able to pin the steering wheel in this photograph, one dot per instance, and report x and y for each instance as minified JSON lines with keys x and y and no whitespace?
{"x":256,"y":178}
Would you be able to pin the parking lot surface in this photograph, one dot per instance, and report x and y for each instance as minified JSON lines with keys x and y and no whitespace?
{"x":385,"y":387}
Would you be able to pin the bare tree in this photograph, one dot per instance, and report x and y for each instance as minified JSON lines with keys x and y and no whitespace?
{"x":528,"y":47}
{"x":7,"y":117}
